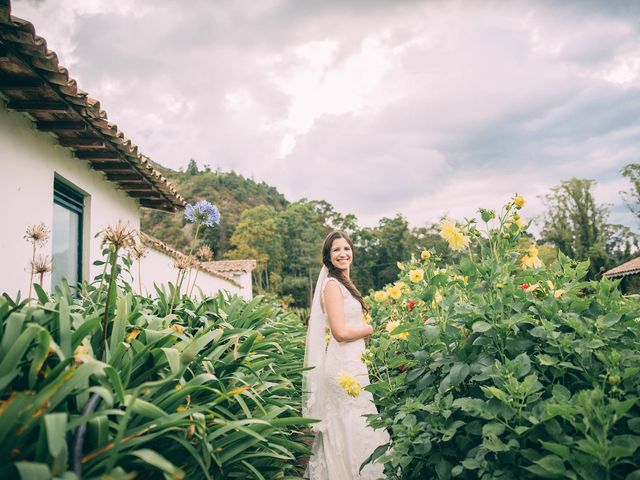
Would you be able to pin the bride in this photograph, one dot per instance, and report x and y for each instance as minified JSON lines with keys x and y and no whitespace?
{"x":333,"y":389}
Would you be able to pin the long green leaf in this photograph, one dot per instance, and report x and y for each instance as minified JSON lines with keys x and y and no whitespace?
{"x":64,"y":325}
{"x":9,"y":365}
{"x":154,"y":458}
{"x":56,"y":427}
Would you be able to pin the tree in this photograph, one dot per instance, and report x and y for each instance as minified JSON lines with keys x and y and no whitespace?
{"x":257,"y":236}
{"x":632,"y":197}
{"x":578,"y":226}
{"x":303,"y":229}
{"x":192,"y":168}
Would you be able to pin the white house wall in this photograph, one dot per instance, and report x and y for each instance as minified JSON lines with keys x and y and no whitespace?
{"x":28,"y":161}
{"x":157,"y":267}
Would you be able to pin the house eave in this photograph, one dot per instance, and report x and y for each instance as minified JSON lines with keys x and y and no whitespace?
{"x":33,"y":83}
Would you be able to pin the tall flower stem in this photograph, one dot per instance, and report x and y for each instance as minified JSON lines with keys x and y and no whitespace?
{"x":184,"y":273}
{"x":195,"y":277}
{"x":33,"y":259}
{"x":139,"y":276}
{"x":113,"y":260}
{"x":175,"y":290}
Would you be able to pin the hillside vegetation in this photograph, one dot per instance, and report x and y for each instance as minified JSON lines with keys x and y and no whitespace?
{"x":285,"y":237}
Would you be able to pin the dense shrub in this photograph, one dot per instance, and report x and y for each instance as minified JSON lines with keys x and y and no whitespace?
{"x":500,"y":367}
{"x":209,"y":391}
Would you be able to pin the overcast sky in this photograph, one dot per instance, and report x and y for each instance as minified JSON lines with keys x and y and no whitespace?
{"x":378,"y":107}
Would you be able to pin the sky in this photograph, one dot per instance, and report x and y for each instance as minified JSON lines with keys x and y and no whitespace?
{"x":425,"y":108}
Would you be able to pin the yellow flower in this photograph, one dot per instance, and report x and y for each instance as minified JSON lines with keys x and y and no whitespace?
{"x":458,"y":241}
{"x":380,"y":296}
{"x":366,"y":318}
{"x":181,"y":408}
{"x":533,"y":250}
{"x":349,"y":384}
{"x":395,"y":292}
{"x":530,"y":262}
{"x":425,"y":255}
{"x":499,"y":285}
{"x":238,"y":390}
{"x":416,"y":275}
{"x":391,"y":326}
{"x":400,"y":265}
{"x":517,"y":220}
{"x":327,"y":339}
{"x":559,"y":293}
{"x":519,"y":201}
{"x":448,"y":228}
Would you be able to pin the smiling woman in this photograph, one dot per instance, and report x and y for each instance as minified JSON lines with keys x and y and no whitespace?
{"x":333,"y":391}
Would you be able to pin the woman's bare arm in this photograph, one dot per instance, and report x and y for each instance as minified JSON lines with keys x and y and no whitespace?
{"x":334,"y":305}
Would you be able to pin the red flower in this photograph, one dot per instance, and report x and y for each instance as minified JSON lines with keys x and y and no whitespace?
{"x":402,"y":368}
{"x":425,"y":319}
{"x":524,"y":286}
{"x":411,"y":305}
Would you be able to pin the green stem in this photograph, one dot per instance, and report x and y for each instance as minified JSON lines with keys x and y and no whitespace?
{"x":193,"y":244}
{"x":33,"y":259}
{"x":112,"y":284}
{"x":175,"y":290}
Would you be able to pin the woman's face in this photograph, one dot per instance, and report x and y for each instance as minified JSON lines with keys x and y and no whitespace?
{"x":341,"y":254}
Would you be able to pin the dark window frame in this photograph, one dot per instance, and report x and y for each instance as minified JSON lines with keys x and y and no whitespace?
{"x":70,"y":198}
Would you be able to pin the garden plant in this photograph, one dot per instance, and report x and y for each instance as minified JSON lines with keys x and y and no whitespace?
{"x":501,"y":367}
{"x":101,"y":382}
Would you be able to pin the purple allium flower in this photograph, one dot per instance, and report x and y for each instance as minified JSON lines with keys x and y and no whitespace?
{"x":202,"y":212}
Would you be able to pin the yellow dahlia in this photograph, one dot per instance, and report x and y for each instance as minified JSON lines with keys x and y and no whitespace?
{"x":395,"y":292}
{"x":530,"y":262}
{"x":519,"y":201}
{"x":380,"y":296}
{"x":458,"y":241}
{"x":425,"y":255}
{"x":367,"y":319}
{"x":349,"y":384}
{"x":416,"y":275}
{"x":448,"y":228}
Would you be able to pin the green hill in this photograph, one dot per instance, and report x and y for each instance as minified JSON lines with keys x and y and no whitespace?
{"x":230,"y":192}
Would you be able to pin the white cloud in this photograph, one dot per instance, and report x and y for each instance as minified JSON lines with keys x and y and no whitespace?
{"x":417,"y":107}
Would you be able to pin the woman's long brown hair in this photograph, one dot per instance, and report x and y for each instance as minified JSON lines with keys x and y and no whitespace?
{"x":337,"y":273}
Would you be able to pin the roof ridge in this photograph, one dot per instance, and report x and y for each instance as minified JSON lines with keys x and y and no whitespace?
{"x":156,"y":244}
{"x":38,"y":66}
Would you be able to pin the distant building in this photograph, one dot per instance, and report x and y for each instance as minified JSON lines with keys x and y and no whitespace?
{"x":62,"y":163}
{"x":629,"y":274}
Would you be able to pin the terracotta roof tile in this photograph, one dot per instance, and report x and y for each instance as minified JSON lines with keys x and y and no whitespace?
{"x":35,"y":83}
{"x":232,"y":265}
{"x":159,"y":245}
{"x":632,"y":267}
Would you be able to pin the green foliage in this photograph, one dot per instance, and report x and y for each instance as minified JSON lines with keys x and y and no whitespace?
{"x":579,"y":227}
{"x":632,"y":197}
{"x":210,"y":391}
{"x":504,"y":372}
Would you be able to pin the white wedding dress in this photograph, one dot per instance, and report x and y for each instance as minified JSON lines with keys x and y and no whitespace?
{"x":344,"y":440}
